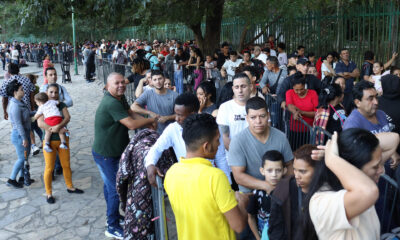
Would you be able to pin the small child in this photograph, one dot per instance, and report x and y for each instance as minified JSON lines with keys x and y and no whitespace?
{"x":209,"y":65}
{"x":52,"y":117}
{"x":259,"y":207}
{"x":168,"y":85}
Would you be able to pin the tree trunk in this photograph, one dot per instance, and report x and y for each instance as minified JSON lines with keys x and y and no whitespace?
{"x":263,"y":31}
{"x":243,"y":36}
{"x":210,"y":41}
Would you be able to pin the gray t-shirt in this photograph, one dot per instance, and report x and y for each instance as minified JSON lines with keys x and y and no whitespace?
{"x":246,"y":151}
{"x":162,"y":105}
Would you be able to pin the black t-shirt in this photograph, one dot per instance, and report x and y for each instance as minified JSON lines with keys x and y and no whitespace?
{"x":135,"y":78}
{"x":221,"y":60}
{"x":260,"y":205}
{"x":184,"y":57}
{"x":366,"y":70}
{"x":335,"y":119}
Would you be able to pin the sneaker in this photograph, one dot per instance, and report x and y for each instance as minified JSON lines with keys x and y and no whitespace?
{"x":63,"y":146}
{"x":121,"y":221}
{"x":47,"y":148}
{"x":13,"y":183}
{"x":35,"y":150}
{"x":116,"y":233}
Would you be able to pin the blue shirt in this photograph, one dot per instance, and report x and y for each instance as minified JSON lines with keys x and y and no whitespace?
{"x":357,"y":120}
{"x":341,"y":67}
{"x":19,"y":115}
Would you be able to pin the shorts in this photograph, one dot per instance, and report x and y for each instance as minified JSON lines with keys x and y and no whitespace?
{"x":52,"y":121}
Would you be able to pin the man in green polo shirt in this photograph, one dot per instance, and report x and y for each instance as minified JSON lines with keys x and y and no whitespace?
{"x":112,"y":121}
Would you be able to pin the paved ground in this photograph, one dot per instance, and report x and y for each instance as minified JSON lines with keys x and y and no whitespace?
{"x":24,"y":213}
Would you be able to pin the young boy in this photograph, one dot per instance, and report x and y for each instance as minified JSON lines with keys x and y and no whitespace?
{"x":52,"y":117}
{"x":272,"y":168}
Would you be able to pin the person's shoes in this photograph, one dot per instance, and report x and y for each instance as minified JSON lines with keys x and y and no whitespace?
{"x":77,"y":190}
{"x":116,"y":233}
{"x":50,"y":200}
{"x":21,"y":181}
{"x":47,"y":148}
{"x":14,"y":183}
{"x":121,"y":221}
{"x":35,"y":150}
{"x":63,"y":146}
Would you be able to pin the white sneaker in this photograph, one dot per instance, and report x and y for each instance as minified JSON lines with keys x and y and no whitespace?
{"x":35,"y":150}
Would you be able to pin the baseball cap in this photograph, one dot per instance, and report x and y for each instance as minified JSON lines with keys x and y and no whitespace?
{"x":147,"y":48}
{"x":293,"y":55}
{"x":303,"y":61}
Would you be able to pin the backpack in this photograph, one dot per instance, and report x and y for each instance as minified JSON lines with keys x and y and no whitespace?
{"x":121,"y":59}
{"x":152,"y":65}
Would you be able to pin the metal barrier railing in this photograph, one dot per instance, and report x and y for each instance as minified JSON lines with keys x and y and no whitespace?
{"x":390,"y":194}
{"x":160,"y":219}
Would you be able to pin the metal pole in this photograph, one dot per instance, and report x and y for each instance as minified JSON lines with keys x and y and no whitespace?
{"x":73,"y":39}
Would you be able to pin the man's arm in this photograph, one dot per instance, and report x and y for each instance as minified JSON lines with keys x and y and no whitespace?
{"x":133,"y":124}
{"x":245,"y":180}
{"x":67,"y":97}
{"x":135,"y":107}
{"x":224,"y":129}
{"x":5,"y":104}
{"x":388,"y":141}
{"x":355,"y":73}
{"x":237,"y":216}
{"x":32,"y":100}
{"x":164,"y":119}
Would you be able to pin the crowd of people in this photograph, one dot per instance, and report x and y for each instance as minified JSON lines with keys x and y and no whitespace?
{"x":212,"y":127}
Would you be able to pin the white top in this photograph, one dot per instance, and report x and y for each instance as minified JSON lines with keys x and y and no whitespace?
{"x":262,"y":57}
{"x":14,"y":54}
{"x":377,"y":80}
{"x":172,"y":137}
{"x":324,"y":68}
{"x":49,"y":109}
{"x":282,"y":58}
{"x":233,"y":115}
{"x":231,"y":67}
{"x":272,"y":52}
{"x":328,"y":215}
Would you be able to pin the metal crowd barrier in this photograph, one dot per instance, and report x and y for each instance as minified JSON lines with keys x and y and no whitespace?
{"x":104,"y":67}
{"x":160,"y":219}
{"x":298,"y":132}
{"x":390,"y":204}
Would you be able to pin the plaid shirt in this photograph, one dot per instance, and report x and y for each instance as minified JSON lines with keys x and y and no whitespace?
{"x":27,"y":86}
{"x":321,"y":120}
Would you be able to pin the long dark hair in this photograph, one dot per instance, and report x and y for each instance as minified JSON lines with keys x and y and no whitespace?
{"x":355,"y":146}
{"x":329,"y":93}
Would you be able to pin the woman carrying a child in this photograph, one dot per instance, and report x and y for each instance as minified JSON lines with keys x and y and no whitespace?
{"x":56,"y":146}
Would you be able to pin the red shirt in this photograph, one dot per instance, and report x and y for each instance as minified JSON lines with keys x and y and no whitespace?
{"x":308,"y":103}
{"x":165,"y":53}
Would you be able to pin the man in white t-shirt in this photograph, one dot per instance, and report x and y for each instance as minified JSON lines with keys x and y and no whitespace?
{"x":282,"y":56}
{"x":229,"y":67}
{"x":260,"y":55}
{"x":231,"y":116}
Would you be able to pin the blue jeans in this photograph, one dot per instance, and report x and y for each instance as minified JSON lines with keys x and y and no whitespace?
{"x":16,"y":140}
{"x":15,"y":61}
{"x":37,"y":130}
{"x":108,"y":167}
{"x":178,"y":78}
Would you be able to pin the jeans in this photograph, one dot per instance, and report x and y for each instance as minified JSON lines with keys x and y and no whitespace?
{"x":37,"y":130}
{"x":108,"y":167}
{"x":14,"y":61}
{"x":178,"y":78}
{"x":16,"y":140}
{"x":4,"y":64}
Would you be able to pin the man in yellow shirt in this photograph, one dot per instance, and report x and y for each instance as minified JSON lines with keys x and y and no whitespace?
{"x":203,"y":202}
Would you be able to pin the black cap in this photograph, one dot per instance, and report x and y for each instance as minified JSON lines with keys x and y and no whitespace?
{"x":303,"y":61}
{"x":293,"y":55}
